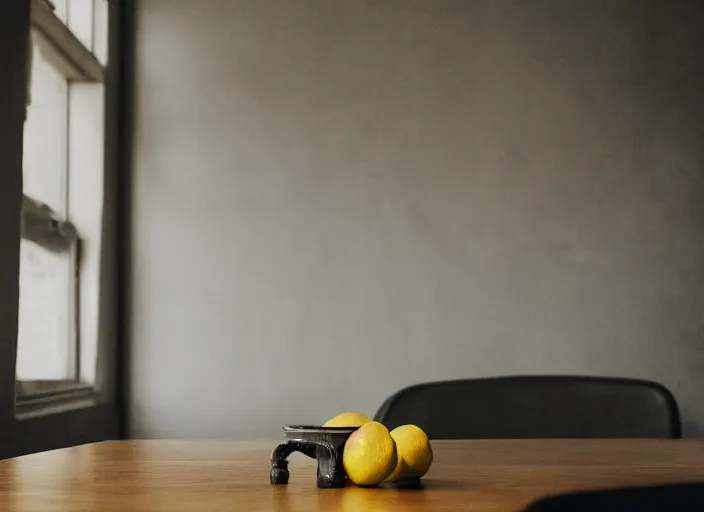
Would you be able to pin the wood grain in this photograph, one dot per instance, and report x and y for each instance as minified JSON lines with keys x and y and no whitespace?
{"x":173,"y":476}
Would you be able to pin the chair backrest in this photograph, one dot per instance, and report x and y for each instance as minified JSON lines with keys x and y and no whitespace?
{"x":664,"y":498}
{"x":539,"y":406}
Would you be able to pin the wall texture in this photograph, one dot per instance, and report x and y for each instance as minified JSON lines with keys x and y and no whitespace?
{"x":336,"y":199}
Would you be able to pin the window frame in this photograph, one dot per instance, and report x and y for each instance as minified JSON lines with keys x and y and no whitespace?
{"x":63,"y":415}
{"x":53,"y":232}
{"x":73,"y":59}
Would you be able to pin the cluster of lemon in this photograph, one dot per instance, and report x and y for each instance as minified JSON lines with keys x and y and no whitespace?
{"x":374,"y":455}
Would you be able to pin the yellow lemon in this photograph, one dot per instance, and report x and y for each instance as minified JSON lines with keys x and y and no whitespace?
{"x":370,"y":454}
{"x":348,"y":419}
{"x":414,"y":453}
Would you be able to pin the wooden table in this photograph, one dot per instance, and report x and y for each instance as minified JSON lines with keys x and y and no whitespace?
{"x":211,"y":476}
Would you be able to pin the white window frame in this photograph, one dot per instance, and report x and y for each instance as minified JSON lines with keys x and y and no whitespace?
{"x":43,"y":226}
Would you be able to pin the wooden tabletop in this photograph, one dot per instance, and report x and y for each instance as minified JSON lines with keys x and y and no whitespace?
{"x":192,"y":476}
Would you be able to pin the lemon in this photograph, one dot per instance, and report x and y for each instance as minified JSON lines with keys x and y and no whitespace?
{"x":370,"y":454}
{"x":348,"y":419}
{"x":414,"y":453}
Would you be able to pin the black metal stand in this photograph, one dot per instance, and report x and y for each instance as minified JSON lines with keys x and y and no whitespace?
{"x":331,"y":472}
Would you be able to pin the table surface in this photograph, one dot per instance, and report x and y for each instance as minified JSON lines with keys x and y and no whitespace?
{"x":486,"y":475}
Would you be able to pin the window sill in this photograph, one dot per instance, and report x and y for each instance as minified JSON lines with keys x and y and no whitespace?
{"x":48,"y":397}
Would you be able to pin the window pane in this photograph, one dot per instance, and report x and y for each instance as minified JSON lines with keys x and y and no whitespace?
{"x":80,"y":21}
{"x":46,"y":343}
{"x":45,"y":348}
{"x":100,"y":35}
{"x":45,"y":131}
{"x":63,"y":167}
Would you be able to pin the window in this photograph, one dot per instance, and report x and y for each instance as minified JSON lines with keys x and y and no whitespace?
{"x":63,"y":172}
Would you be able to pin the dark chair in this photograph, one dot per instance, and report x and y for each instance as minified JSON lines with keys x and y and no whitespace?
{"x":536,"y":407}
{"x":664,"y":498}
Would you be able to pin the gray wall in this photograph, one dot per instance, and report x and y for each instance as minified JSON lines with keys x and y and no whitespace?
{"x":336,"y":199}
